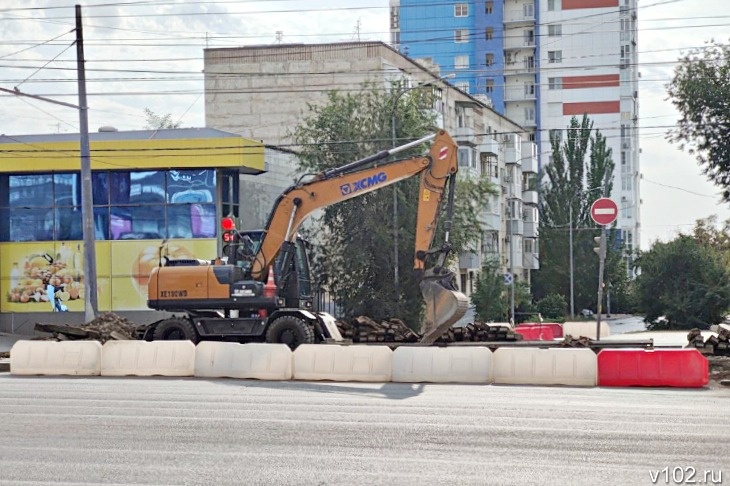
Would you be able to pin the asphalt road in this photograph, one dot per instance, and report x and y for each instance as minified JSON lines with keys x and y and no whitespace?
{"x":217,"y":432}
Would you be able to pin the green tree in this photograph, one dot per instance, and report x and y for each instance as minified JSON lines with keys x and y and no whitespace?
{"x":707,"y":233}
{"x":700,"y":90}
{"x":357,"y":234}
{"x":684,"y":280}
{"x":157,"y":122}
{"x":490,"y":299}
{"x":553,"y":308}
{"x":581,"y":172}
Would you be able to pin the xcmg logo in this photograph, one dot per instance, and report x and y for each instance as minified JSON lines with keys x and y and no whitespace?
{"x":356,"y":186}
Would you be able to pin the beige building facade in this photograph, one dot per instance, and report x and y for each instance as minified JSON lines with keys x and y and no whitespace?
{"x":262,"y":93}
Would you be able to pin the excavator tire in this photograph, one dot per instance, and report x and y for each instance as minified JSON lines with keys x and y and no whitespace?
{"x":175,"y":329}
{"x":290,"y":330}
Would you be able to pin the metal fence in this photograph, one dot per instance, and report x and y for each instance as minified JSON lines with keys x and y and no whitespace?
{"x":325,"y":301}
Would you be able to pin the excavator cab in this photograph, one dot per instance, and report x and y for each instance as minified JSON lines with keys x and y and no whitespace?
{"x":291,"y":266}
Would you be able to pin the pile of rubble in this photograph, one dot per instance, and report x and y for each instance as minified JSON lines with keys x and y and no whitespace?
{"x":480,"y":332}
{"x":106,"y":327}
{"x":363,"y":329}
{"x":712,"y":346}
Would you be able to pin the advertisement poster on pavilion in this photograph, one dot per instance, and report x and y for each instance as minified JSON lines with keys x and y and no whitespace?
{"x":122,"y":268}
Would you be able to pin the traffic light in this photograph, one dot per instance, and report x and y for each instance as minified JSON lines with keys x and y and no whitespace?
{"x":601,"y":248}
{"x":228,"y":225}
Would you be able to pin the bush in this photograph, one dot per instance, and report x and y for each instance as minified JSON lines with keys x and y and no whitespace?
{"x":552,"y":308}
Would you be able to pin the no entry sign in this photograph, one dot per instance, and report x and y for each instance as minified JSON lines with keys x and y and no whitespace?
{"x":604,"y":211}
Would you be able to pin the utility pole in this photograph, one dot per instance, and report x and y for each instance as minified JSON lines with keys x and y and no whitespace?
{"x":87,"y":206}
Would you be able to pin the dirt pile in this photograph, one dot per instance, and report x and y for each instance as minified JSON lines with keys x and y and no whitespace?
{"x":363,"y":329}
{"x":106,"y":327}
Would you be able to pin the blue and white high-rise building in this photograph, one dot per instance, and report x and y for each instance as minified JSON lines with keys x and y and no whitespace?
{"x":541,"y":62}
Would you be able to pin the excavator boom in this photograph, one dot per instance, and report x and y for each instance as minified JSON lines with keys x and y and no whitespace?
{"x":444,"y":303}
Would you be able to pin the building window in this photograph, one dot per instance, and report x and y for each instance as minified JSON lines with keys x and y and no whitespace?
{"x":151,"y":204}
{"x":553,"y":5}
{"x":461,"y":10}
{"x":461,"y":35}
{"x":626,"y":182}
{"x":467,"y":157}
{"x":529,"y":90}
{"x":394,"y":17}
{"x":508,"y":58}
{"x":529,"y":63}
{"x":463,"y":85}
{"x":489,"y":33}
{"x":530,"y":114}
{"x":555,"y":30}
{"x":528,"y":10}
{"x":529,"y":37}
{"x":555,"y":83}
{"x":461,"y":62}
{"x":489,"y":88}
{"x":488,"y":7}
{"x":555,"y":57}
{"x":531,"y":137}
{"x":489,"y":59}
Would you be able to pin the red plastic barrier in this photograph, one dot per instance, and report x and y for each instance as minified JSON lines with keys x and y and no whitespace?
{"x":535,"y":333}
{"x":556,"y":328}
{"x":685,"y":368}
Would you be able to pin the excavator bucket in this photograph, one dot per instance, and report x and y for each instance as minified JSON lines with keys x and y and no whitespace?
{"x":444,"y":307}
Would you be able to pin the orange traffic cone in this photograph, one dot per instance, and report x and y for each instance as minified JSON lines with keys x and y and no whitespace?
{"x":270,"y":287}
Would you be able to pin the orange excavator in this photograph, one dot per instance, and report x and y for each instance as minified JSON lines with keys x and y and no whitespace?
{"x":261,"y":290}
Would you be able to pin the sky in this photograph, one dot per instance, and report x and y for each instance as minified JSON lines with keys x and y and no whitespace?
{"x":149,"y":54}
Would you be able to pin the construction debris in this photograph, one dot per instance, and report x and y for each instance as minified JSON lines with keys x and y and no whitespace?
{"x":579,"y":342}
{"x":719,"y":368}
{"x":712,"y":346}
{"x":363,"y":329}
{"x":104,"y":328}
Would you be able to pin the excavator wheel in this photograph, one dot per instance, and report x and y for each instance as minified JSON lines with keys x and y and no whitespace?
{"x":290,"y":330}
{"x":175,"y":329}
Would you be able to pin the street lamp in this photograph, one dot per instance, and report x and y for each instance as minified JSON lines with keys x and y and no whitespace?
{"x":570,"y":246}
{"x":395,"y":186}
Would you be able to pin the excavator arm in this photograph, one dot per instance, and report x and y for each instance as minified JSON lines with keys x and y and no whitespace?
{"x":444,"y":304}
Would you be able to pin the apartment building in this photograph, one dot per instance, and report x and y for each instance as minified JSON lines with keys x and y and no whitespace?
{"x":541,"y":62}
{"x":262,"y":92}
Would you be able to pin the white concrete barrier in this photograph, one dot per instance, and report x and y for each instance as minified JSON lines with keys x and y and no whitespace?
{"x":442,"y":365}
{"x":553,"y":366}
{"x":142,"y":358}
{"x":249,"y":361}
{"x":342,"y":363}
{"x":586,"y":329}
{"x":81,"y":358}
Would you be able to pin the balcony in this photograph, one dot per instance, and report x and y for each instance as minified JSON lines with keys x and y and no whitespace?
{"x":469,"y":261}
{"x":490,"y":221}
{"x":531,"y":229}
{"x":519,"y":95}
{"x":529,"y":197}
{"x":465,"y":135}
{"x":512,"y":155}
{"x":519,"y":68}
{"x":529,"y":162}
{"x":489,"y":146}
{"x":515,"y":227}
{"x":531,"y":261}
